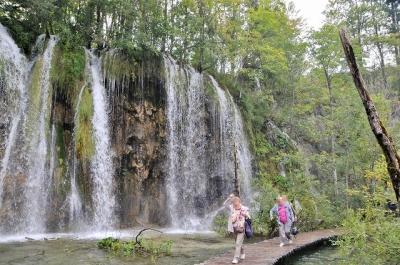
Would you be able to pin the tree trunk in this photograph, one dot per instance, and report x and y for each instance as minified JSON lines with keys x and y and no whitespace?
{"x":236,"y":180}
{"x":395,"y":29}
{"x":333,"y":136}
{"x":164,"y":36}
{"x":382,"y":136}
{"x":379,"y":46}
{"x":202,"y":36}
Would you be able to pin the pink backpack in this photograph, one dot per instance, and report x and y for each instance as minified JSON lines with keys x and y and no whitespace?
{"x":282,"y":214}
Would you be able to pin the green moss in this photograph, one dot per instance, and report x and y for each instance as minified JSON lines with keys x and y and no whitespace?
{"x":34,"y":94}
{"x":209,"y":89}
{"x":2,"y":65}
{"x":84,"y":128}
{"x":62,"y":183}
{"x":60,"y":145}
{"x":68,"y":71}
{"x":119,"y":66}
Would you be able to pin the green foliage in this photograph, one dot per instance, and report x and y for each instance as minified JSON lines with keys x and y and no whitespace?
{"x":67,"y":72}
{"x":27,"y":19}
{"x":220,"y":224}
{"x":372,"y":231}
{"x":153,"y":248}
{"x":145,"y":247}
{"x":372,"y":237}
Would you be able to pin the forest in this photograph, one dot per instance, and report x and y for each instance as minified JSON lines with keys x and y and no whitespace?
{"x":307,"y":129}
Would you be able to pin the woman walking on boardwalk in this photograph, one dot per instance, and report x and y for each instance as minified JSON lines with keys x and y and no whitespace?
{"x":238,"y":218}
{"x":284,"y":214}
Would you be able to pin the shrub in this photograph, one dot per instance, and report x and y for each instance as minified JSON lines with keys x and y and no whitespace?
{"x":372,"y":237}
{"x":144,"y":247}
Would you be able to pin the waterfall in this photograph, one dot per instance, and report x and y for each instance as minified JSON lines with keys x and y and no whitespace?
{"x":232,"y":131}
{"x":101,"y":164}
{"x":244,"y":157}
{"x":75,"y":201}
{"x":36,"y":190}
{"x":204,"y":130}
{"x":13,"y":65}
{"x":195,"y":182}
{"x":53,"y":156}
{"x":186,"y":144}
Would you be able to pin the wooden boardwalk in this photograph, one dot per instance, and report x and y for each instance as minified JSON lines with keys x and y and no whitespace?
{"x":268,"y":252}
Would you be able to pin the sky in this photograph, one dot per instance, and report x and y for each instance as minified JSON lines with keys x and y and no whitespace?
{"x":311,"y":11}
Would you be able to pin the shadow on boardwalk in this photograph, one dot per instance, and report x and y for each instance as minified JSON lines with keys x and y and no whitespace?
{"x":268,"y":252}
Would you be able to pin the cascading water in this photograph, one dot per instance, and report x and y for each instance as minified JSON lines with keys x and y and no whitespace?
{"x":192,"y":170}
{"x":244,"y":156}
{"x":232,"y":131}
{"x":75,"y":200}
{"x":36,"y":190}
{"x":226,"y":121}
{"x":101,"y":164}
{"x":13,"y":66}
{"x":233,"y":139}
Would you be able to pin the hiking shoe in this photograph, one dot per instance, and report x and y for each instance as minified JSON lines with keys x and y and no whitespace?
{"x":281,"y":244}
{"x":243,"y":256}
{"x":235,"y":261}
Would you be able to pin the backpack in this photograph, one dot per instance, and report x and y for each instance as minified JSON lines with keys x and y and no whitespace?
{"x":248,"y":228}
{"x":282,"y":215}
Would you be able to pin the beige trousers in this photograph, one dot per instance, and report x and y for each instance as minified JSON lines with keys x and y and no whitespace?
{"x":239,"y":249}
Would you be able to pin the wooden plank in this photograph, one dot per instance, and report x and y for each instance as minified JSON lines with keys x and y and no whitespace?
{"x":269,"y":252}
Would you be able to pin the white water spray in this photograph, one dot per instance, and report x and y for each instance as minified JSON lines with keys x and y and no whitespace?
{"x":38,"y":173}
{"x":233,"y":132}
{"x":13,"y":68}
{"x":200,"y":157}
{"x":75,"y":201}
{"x":101,"y":164}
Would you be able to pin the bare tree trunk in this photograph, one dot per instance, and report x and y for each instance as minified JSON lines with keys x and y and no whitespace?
{"x":382,"y":136}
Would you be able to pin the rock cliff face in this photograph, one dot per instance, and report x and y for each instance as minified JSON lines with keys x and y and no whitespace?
{"x":139,"y":141}
{"x":136,"y":94}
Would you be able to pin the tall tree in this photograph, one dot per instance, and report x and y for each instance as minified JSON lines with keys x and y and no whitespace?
{"x":325,"y":49}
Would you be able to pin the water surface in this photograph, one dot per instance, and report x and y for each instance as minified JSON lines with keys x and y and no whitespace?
{"x":188,"y":249}
{"x":326,"y":255}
